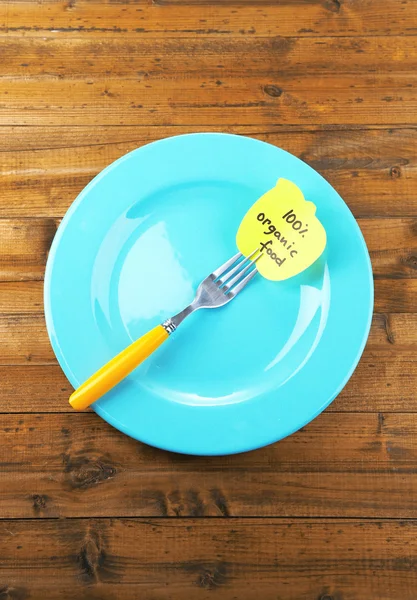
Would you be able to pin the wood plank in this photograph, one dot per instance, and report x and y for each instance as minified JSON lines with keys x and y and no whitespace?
{"x":400,"y":295}
{"x":24,"y":340}
{"x":53,"y":57}
{"x":194,"y":559}
{"x":340,"y":465}
{"x":369,"y":143}
{"x":17,"y":298}
{"x":34,"y":388}
{"x":27,"y":298}
{"x":375,"y":98}
{"x":396,"y":331}
{"x":24,"y":249}
{"x":23,"y":337}
{"x":374,"y":170}
{"x":383,"y":382}
{"x":25,"y":245}
{"x":392,"y":245}
{"x":190,"y":19}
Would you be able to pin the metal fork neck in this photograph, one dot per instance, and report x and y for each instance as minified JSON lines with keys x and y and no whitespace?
{"x":219,"y":288}
{"x":171,"y":324}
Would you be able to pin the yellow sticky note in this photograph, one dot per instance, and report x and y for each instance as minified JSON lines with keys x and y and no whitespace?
{"x":283,"y":225}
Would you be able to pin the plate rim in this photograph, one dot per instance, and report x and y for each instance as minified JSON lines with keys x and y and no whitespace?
{"x":245,"y":447}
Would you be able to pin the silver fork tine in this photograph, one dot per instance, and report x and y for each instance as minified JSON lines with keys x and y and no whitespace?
{"x":228,"y":274}
{"x":231,"y":282}
{"x":218,"y":272}
{"x":214,"y":292}
{"x":238,"y":288}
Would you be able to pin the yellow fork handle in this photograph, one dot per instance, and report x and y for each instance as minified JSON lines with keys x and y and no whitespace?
{"x":117,"y":369}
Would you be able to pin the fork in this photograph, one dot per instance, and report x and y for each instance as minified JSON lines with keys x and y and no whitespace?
{"x":219,"y":288}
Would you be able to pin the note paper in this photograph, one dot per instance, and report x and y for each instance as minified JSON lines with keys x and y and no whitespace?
{"x":283,"y":225}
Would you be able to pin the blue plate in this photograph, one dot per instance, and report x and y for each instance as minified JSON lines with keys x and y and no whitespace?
{"x":131,"y":251}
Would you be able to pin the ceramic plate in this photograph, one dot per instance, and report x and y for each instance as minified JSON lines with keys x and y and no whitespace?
{"x":131,"y":251}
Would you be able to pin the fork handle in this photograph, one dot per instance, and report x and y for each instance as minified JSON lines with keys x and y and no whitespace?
{"x":117,"y":368}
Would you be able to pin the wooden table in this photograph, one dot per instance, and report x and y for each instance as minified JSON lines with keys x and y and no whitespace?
{"x":327,"y":514}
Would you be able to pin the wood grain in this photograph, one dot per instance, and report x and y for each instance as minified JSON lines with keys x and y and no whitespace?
{"x":195,"y":559}
{"x":339,"y":465}
{"x":23,"y":337}
{"x":34,"y":388}
{"x":384,"y":381}
{"x":374,"y":170}
{"x":18,"y":298}
{"x":24,"y":247}
{"x":401,"y":295}
{"x":392,"y":244}
{"x":213,"y":18}
{"x":27,"y":298}
{"x":326,"y":514}
{"x":328,"y":98}
{"x":121,"y":58}
{"x":372,"y":144}
{"x":25,"y":243}
{"x":24,"y":340}
{"x":398,"y":331}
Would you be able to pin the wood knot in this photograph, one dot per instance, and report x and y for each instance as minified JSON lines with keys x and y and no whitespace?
{"x":282,"y":44}
{"x":39,"y":502}
{"x":388,"y":331}
{"x":91,"y":557}
{"x":273,"y":90}
{"x":107,"y":93}
{"x":410,"y":261}
{"x":381,"y":421}
{"x":395,"y":172}
{"x":83,"y":472}
{"x":220,"y":502}
{"x":157,"y":499}
{"x":333,"y":596}
{"x":13,"y":593}
{"x":189,"y":503}
{"x":213,"y":577}
{"x":333,"y":5}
